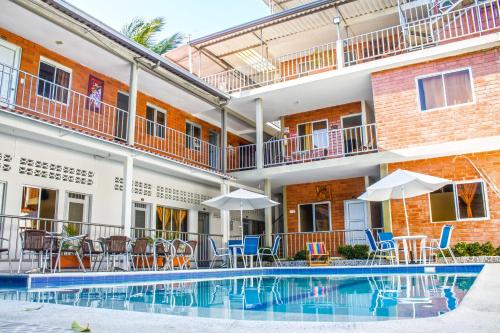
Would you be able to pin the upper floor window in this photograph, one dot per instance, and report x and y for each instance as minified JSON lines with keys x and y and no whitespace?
{"x":313,"y":135}
{"x":460,"y":201}
{"x":54,"y":81}
{"x":193,"y":139}
{"x":155,"y":121}
{"x":445,"y":89}
{"x":314,"y":217}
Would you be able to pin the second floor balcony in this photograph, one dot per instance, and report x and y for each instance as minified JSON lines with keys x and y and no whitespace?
{"x":334,"y":143}
{"x":422,"y":25}
{"x":32,"y":96}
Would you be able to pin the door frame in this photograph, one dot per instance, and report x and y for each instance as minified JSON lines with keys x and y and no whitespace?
{"x":117,"y":116}
{"x":347,"y":220}
{"x":87,"y":202}
{"x":17,"y":63}
{"x":147,"y":210}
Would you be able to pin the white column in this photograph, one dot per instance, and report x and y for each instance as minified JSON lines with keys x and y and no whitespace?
{"x":128,"y":168}
{"x":225,"y":217}
{"x":340,"y":53}
{"x":132,"y":103}
{"x":190,"y":57}
{"x":268,"y":215}
{"x":259,"y":128}
{"x":223,"y":148}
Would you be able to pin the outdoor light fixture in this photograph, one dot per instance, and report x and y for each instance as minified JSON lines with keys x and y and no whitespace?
{"x":336,"y":20}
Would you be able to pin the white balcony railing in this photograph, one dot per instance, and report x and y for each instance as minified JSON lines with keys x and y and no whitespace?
{"x":176,"y":144}
{"x":419,"y":34}
{"x":24,"y":92}
{"x":334,"y":143}
{"x":287,"y":67}
{"x":426,"y":28}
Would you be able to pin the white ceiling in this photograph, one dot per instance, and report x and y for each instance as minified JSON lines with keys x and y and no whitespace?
{"x":41,"y":31}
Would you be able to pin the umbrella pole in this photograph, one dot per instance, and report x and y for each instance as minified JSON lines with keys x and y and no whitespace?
{"x":241,"y":220}
{"x":406,"y":213}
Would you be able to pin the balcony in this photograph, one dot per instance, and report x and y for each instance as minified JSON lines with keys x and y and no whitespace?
{"x":31,"y":96}
{"x":336,"y":143}
{"x":416,"y":31}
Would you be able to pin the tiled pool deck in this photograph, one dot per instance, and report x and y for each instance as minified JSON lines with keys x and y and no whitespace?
{"x":478,"y":312}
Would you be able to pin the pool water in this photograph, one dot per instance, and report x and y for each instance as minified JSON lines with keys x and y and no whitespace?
{"x":290,"y":298}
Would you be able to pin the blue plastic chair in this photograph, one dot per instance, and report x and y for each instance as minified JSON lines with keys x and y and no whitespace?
{"x":251,"y":248}
{"x":273,"y":252}
{"x":441,"y":244}
{"x":382,"y":247}
{"x":218,"y":253}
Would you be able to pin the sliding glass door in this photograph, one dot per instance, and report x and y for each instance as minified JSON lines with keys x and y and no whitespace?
{"x":41,"y":205}
{"x":170,"y":222}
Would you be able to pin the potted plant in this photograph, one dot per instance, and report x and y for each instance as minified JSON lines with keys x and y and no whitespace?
{"x":70,"y":261}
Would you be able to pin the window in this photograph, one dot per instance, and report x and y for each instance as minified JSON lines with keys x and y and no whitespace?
{"x":155,"y":122}
{"x":445,"y":90}
{"x":314,"y":217}
{"x":461,"y":201}
{"x":39,"y":203}
{"x":193,"y":132}
{"x":170,"y":221}
{"x":54,"y":81}
{"x":313,"y":135}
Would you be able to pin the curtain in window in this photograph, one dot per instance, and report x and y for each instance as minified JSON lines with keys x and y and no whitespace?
{"x":62,"y":83}
{"x":433,"y":93}
{"x":307,"y":137}
{"x":458,"y":88}
{"x":466,"y":192}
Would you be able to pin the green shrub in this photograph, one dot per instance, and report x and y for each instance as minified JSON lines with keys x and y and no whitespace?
{"x":301,"y":255}
{"x":474,"y":249}
{"x":353,"y":251}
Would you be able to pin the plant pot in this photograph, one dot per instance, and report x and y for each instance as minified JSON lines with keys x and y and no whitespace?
{"x":70,"y":261}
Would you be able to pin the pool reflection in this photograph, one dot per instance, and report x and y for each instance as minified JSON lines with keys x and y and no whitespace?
{"x":317,"y":298}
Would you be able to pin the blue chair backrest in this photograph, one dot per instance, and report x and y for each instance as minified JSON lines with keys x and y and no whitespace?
{"x":251,"y":245}
{"x":214,"y":248}
{"x":234,"y":242}
{"x":371,"y":240}
{"x":445,"y":239}
{"x":387,"y":239}
{"x":276,"y":244}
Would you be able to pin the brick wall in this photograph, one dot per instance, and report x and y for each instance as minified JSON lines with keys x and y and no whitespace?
{"x":458,"y":169}
{"x":401,"y":124}
{"x":101,"y":121}
{"x":339,"y":191}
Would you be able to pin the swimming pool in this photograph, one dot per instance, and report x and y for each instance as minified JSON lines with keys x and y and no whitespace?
{"x":278,"y":297}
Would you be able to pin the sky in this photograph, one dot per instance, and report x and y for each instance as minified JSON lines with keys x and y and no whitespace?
{"x":191,"y":17}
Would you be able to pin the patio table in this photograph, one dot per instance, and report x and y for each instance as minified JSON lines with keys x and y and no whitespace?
{"x":409,"y":244}
{"x":234,"y":248}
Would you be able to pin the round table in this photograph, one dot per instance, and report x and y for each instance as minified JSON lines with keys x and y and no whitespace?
{"x":410,"y":241}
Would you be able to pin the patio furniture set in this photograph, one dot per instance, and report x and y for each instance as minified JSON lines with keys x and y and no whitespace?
{"x":116,"y":252}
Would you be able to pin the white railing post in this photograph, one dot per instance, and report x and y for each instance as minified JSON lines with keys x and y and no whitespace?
{"x":128,"y":167}
{"x":223,"y":150}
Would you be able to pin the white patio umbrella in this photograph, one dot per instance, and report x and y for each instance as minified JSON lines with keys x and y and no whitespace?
{"x":241,"y":200}
{"x":402,"y":184}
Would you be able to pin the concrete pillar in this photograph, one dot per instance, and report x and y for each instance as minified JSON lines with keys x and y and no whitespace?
{"x":386,"y":205}
{"x":128,"y":168}
{"x":285,"y":224}
{"x":223,"y":129}
{"x":259,"y":128}
{"x":225,"y":217}
{"x":268,"y":215}
{"x":132,"y":103}
{"x":340,"y":53}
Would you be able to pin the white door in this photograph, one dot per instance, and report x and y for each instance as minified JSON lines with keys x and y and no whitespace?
{"x":9,"y":65}
{"x":356,"y":219}
{"x":77,"y":209}
{"x":140,"y":219}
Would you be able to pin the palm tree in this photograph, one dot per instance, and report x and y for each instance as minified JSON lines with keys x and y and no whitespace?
{"x":145,"y":33}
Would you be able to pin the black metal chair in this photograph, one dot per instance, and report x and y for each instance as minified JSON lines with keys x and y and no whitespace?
{"x":89,"y":250}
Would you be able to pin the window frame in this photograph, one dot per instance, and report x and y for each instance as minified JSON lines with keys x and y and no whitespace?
{"x":314,"y":215}
{"x":191,"y":143}
{"x":155,"y":121}
{"x":442,"y":74}
{"x":56,"y":65}
{"x":312,"y":135}
{"x":455,"y":200}
{"x":41,"y":187}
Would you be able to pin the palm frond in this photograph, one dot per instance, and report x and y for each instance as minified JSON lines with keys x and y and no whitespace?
{"x":142,"y":31}
{"x":169,"y":43}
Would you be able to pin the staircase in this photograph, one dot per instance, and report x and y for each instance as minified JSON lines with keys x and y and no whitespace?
{"x":418,"y":31}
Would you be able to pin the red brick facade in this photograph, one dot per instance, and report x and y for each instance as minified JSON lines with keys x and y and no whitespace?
{"x":456,"y":169}
{"x":400,"y":123}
